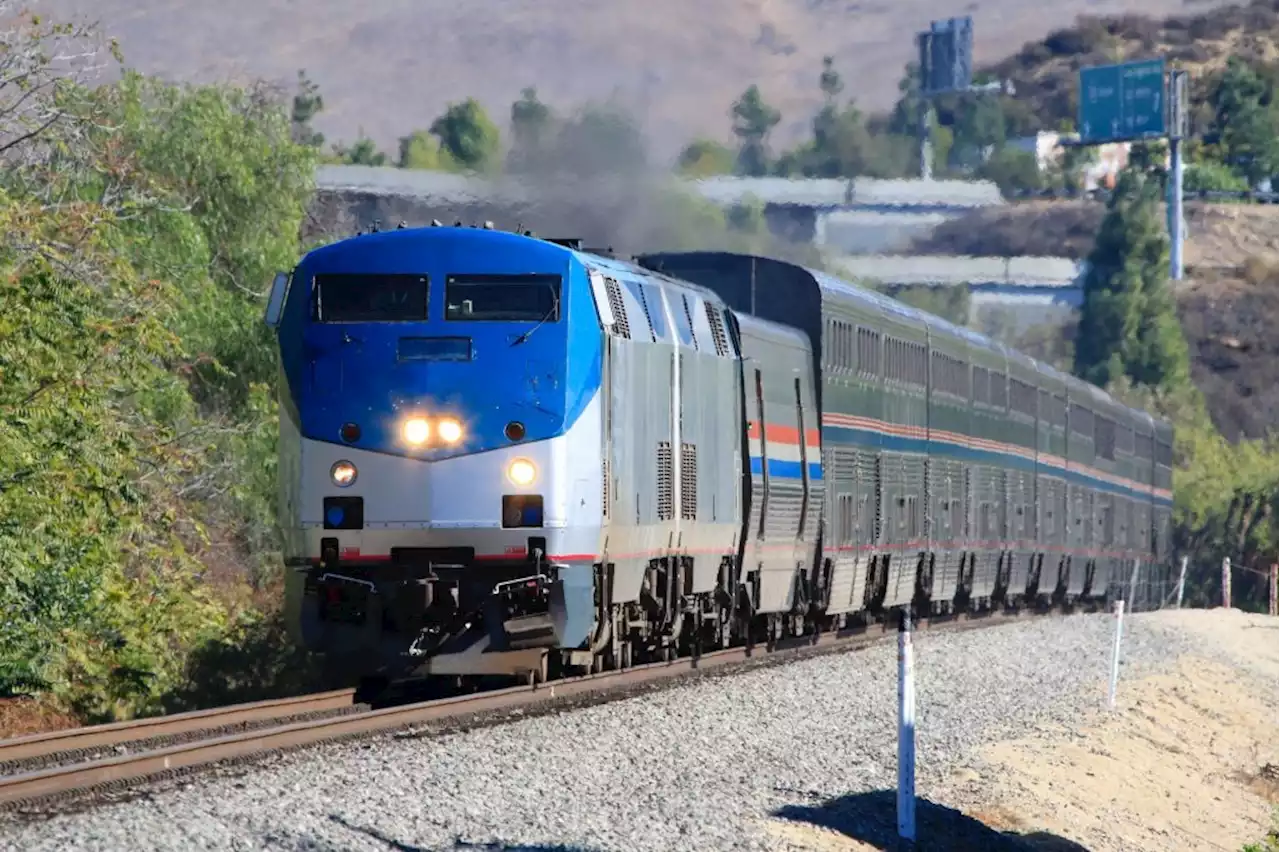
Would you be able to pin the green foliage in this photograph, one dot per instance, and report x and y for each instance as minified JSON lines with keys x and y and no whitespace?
{"x":468,"y":135}
{"x":421,"y":150}
{"x":1011,"y":169}
{"x":363,"y":152}
{"x":1069,"y":173}
{"x":1245,"y":121}
{"x":978,"y":125}
{"x":532,"y":126}
{"x":1129,"y":324}
{"x":1270,"y":844}
{"x":601,"y":139}
{"x":307,"y":104}
{"x":136,"y":424}
{"x":95,"y":584}
{"x":950,"y":303}
{"x":845,"y":144}
{"x":753,"y":121}
{"x":705,"y":158}
{"x":1212,"y":176}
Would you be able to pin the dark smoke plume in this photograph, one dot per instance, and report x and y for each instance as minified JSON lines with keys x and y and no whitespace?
{"x":588,"y":176}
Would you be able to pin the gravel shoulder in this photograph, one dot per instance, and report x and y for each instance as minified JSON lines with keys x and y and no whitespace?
{"x":795,"y":757}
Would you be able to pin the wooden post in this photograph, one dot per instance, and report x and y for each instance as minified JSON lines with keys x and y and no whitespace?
{"x":1226,"y":583}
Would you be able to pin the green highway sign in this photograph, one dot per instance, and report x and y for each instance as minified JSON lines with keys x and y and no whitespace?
{"x":1120,"y":103}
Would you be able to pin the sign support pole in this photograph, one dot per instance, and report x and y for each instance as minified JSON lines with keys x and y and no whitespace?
{"x":924,"y":46}
{"x":926,"y":142}
{"x":946,"y":65}
{"x":1177,"y":112}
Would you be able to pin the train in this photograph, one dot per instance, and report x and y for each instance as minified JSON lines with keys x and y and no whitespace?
{"x":502,"y":455}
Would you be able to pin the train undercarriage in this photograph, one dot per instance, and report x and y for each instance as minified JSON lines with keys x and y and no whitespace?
{"x":440,"y":615}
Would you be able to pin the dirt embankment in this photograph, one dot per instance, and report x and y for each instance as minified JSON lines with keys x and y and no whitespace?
{"x":1186,"y":762}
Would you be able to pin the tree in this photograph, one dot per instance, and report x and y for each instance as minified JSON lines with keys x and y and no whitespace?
{"x":1129,"y":323}
{"x":531,"y":121}
{"x":1070,"y":171}
{"x":421,"y":150}
{"x":830,"y":81}
{"x":363,"y":152}
{"x":139,"y":225}
{"x":753,"y":120}
{"x":307,"y":104}
{"x":1245,"y":121}
{"x":601,"y":139}
{"x":978,"y":126}
{"x":704,"y":158}
{"x":1011,"y":169}
{"x":1213,"y":176}
{"x":842,"y":146}
{"x":468,"y":135}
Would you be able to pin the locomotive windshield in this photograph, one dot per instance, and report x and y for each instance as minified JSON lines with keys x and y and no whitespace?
{"x":502,"y":298}
{"x":359,"y":297}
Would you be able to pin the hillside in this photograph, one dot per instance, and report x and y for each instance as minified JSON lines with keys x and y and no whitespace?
{"x":1044,"y":71}
{"x":391,"y":66}
{"x":1228,"y":303}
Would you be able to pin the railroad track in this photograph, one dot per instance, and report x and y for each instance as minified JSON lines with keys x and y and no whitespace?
{"x":76,"y":766}
{"x":77,"y":745}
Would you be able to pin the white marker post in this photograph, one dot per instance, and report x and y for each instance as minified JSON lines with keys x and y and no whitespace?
{"x":1182,"y":581}
{"x":1226,"y":583}
{"x":1115,"y":655}
{"x":906,"y":735}
{"x":1273,"y":604}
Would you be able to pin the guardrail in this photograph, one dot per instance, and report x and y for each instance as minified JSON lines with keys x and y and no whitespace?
{"x":1187,"y":195}
{"x":950,"y":270}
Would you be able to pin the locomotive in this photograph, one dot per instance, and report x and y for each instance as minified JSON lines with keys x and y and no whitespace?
{"x":512,"y":456}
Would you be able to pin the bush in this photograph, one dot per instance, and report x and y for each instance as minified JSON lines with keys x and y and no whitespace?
{"x":136,"y":422}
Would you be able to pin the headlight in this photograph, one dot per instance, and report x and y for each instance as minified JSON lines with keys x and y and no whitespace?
{"x":450,"y":431}
{"x":343,"y":473}
{"x":521,"y":472}
{"x":416,"y":430}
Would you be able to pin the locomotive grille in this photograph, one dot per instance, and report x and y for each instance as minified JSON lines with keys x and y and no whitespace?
{"x":666,"y":501}
{"x":620,"y":325}
{"x":688,"y":314}
{"x":653,"y":332}
{"x":689,"y":482}
{"x":717,"y":329}
{"x":604,"y":479}
{"x":880,"y":498}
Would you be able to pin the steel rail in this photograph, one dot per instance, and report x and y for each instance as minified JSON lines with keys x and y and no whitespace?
{"x":112,"y":772}
{"x":122,"y":733}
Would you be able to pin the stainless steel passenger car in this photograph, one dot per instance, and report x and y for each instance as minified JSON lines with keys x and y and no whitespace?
{"x":506,"y":455}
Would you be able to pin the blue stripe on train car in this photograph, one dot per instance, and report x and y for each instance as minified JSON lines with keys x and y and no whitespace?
{"x":945,"y":449}
{"x":786,"y":469}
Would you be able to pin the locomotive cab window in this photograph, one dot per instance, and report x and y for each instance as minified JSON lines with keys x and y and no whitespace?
{"x":502,"y":298}
{"x":363,"y":297}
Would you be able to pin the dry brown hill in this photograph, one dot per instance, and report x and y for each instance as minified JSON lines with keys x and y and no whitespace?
{"x":1228,"y":303}
{"x":391,"y":65}
{"x":1045,"y":71}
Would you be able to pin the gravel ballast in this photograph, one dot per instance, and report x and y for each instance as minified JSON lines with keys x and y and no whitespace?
{"x":700,"y":766}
